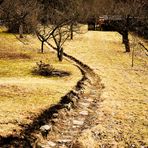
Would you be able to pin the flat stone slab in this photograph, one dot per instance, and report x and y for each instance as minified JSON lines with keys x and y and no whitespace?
{"x":89,"y":100}
{"x":45,"y":127}
{"x":84,"y":113}
{"x":52,"y":144}
{"x":74,"y":126}
{"x":84,"y":104}
{"x":55,"y":115}
{"x":78,"y":122}
{"x":55,"y":120}
{"x":64,"y":140}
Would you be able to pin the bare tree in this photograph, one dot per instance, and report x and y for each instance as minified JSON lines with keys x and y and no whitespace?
{"x":55,"y":35}
{"x":19,"y":15}
{"x":122,"y":14}
{"x":58,"y":25}
{"x":129,"y":11}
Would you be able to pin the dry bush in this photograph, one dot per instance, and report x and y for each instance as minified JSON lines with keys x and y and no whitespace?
{"x":44,"y":69}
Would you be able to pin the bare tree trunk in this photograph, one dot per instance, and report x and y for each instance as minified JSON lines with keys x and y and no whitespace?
{"x":60,"y":54}
{"x":21,"y":30}
{"x":42,"y":47}
{"x":123,"y":38}
{"x":125,"y":32}
{"x":71,"y":31}
{"x":126,"y":41}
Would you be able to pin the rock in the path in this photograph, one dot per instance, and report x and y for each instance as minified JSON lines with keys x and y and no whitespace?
{"x":78,"y":122}
{"x":75,"y":92}
{"x":68,"y":106}
{"x":45,"y":130}
{"x":52,"y":144}
{"x":55,"y":115}
{"x":83,"y":104}
{"x":75,"y":126}
{"x":54,"y":120}
{"x":84,"y":113}
{"x":89,"y":100}
{"x":46,"y":127}
{"x":48,"y":144}
{"x":64,"y":140}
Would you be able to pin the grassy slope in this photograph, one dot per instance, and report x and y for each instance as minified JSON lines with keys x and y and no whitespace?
{"x":123,"y":115}
{"x":23,"y":95}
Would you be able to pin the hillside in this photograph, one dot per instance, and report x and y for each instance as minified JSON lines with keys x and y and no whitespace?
{"x":113,"y":117}
{"x":24,"y":96}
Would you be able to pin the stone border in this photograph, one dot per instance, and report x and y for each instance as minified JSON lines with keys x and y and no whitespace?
{"x":25,"y":138}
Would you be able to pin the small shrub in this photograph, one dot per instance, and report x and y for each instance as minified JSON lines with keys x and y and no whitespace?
{"x":48,"y":70}
{"x":43,"y":69}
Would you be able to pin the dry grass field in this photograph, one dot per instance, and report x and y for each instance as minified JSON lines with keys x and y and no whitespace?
{"x":123,"y":113}
{"x":23,"y":96}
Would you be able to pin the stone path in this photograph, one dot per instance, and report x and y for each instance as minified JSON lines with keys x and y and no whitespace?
{"x":64,"y":122}
{"x":73,"y":119}
{"x":69,"y":125}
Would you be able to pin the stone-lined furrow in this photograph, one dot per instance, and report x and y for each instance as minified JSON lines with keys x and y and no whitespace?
{"x":68,"y":118}
{"x":26,"y":138}
{"x":70,"y":121}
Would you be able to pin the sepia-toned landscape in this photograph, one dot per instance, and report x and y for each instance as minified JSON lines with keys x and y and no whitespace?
{"x":73,"y":74}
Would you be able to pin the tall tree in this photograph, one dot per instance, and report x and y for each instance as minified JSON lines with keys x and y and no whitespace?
{"x":122,"y":14}
{"x":130,"y":11}
{"x":19,"y":15}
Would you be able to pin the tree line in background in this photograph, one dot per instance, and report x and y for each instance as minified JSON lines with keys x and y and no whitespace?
{"x":57,"y":20}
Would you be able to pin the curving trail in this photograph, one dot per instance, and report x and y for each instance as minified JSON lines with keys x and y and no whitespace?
{"x":88,"y":117}
{"x":70,"y":121}
{"x":73,"y":114}
{"x":123,"y":114}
